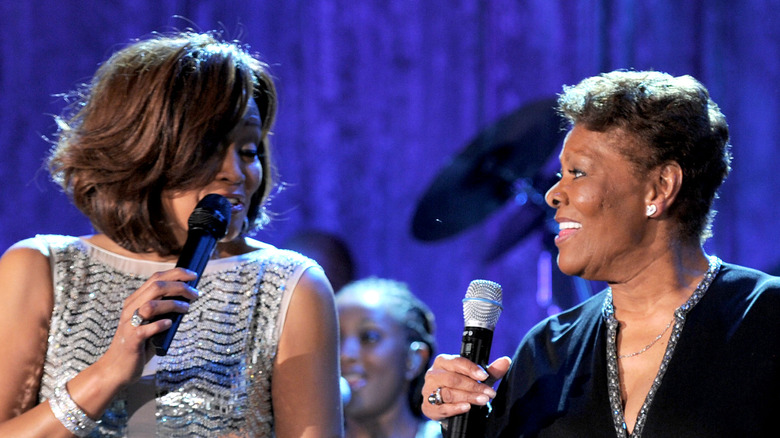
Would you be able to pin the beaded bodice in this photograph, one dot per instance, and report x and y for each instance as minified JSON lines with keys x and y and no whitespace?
{"x":217,"y":374}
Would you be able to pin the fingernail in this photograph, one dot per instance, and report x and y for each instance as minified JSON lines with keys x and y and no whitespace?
{"x":481,"y":374}
{"x":482,"y":399}
{"x":490,"y":392}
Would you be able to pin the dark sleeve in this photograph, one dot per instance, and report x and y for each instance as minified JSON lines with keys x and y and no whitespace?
{"x":556,"y":385}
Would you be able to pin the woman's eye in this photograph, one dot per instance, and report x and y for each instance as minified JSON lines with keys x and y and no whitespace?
{"x":370,"y":337}
{"x":249,"y":152}
{"x":576,"y":173}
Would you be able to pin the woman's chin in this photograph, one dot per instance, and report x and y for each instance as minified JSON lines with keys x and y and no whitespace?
{"x":233,"y":234}
{"x":230,"y":245}
{"x":229,"y":238}
{"x":569,"y":268}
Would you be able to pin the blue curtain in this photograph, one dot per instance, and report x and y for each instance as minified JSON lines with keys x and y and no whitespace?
{"x":377,"y":97}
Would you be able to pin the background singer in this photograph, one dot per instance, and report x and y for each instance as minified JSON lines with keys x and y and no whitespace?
{"x":680,"y":343}
{"x":387,"y":339}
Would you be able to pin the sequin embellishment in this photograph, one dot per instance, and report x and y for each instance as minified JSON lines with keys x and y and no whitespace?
{"x":216,"y":377}
{"x":613,"y":376}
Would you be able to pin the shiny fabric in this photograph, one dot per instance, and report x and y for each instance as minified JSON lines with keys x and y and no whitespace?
{"x":217,"y":374}
{"x":722,"y":380}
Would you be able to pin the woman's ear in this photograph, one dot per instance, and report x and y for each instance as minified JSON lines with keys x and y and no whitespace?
{"x":665,"y":186}
{"x":416,"y":359}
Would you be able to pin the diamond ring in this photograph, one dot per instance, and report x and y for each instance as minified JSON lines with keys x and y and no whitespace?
{"x":136,"y":320}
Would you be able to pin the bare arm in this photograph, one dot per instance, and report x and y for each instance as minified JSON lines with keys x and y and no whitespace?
{"x":26,"y":301}
{"x":305,"y":384}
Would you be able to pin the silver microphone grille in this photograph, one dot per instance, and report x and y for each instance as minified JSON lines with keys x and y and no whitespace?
{"x":482,"y":304}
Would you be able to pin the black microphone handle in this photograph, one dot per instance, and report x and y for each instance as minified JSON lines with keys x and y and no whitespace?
{"x":475,"y":347}
{"x":195,"y":254}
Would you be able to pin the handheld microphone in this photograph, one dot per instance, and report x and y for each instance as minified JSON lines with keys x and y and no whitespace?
{"x":207,"y":224}
{"x":481,"y":309}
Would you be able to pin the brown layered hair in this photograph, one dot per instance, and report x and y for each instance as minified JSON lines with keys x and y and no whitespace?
{"x":155,"y":118}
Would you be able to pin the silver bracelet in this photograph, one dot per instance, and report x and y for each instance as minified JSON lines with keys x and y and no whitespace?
{"x":68,"y":412}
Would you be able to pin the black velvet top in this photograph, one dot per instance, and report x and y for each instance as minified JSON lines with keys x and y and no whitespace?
{"x":722,"y":380}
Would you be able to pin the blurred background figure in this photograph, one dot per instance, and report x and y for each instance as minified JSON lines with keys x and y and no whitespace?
{"x":330,"y":251}
{"x":387,"y":341}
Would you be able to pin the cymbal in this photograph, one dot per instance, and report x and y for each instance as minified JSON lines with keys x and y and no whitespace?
{"x":517,"y":226}
{"x":501,"y":160}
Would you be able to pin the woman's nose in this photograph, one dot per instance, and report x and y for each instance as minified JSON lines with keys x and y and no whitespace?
{"x":554,"y":196}
{"x":231,"y":170}
{"x":350,"y":348}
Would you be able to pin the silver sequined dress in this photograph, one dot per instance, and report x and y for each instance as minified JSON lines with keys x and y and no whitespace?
{"x":216,"y":378}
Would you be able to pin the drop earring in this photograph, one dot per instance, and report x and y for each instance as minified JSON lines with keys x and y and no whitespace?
{"x":651,"y":209}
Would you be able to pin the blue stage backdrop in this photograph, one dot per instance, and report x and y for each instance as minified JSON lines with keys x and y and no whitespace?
{"x":377,"y":97}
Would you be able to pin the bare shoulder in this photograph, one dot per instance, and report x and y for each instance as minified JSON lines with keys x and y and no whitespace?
{"x":312,"y":310}
{"x":312,"y":303}
{"x":25,"y":277}
{"x":26,"y":261}
{"x":308,"y":357}
{"x":314,"y":282}
{"x":26,"y":302}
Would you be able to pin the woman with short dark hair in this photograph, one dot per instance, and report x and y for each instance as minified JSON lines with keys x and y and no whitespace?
{"x":680,"y":343}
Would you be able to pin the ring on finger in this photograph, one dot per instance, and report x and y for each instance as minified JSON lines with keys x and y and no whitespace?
{"x":136,"y":320}
{"x":435,"y":397}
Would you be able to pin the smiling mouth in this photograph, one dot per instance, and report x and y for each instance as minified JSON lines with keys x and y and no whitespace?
{"x":355,"y":381}
{"x":566,"y":229}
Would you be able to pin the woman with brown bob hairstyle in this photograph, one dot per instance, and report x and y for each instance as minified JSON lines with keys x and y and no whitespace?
{"x":165,"y":122}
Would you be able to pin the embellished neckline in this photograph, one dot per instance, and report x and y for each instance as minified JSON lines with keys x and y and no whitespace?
{"x":613,"y":375}
{"x":146,"y":268}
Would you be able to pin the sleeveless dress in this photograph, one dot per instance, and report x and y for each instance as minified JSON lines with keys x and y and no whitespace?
{"x":215,"y":379}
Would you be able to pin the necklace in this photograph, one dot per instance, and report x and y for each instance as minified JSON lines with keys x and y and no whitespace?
{"x":647,"y":347}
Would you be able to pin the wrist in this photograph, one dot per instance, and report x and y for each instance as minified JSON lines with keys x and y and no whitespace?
{"x":104,"y":374}
{"x":69,"y":413}
{"x":94,"y":388}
